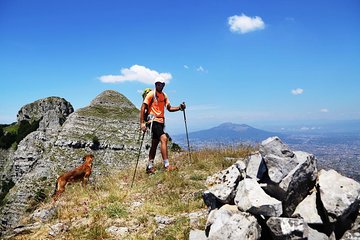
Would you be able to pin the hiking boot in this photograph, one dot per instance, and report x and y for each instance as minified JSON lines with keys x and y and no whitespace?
{"x":150,"y":170}
{"x":170,"y":168}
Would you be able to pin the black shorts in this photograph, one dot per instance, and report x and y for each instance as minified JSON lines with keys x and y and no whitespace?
{"x":157,"y":130}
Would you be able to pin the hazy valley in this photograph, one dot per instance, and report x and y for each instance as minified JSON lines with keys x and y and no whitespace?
{"x":337,"y":150}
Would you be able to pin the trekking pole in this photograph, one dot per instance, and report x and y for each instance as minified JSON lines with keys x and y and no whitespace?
{"x":187,"y":134}
{"x":137,"y":161}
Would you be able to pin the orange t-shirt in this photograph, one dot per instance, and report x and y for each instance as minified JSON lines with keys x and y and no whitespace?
{"x":156,"y":106}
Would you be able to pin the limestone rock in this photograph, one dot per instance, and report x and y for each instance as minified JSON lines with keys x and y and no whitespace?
{"x":197,"y":234}
{"x":299,"y":181}
{"x":256,"y":166}
{"x":316,"y":235}
{"x":57,"y":229}
{"x":117,"y":231}
{"x":39,"y":108}
{"x":230,"y":223}
{"x":224,"y":184}
{"x":323,"y":204}
{"x":279,"y":159}
{"x":308,"y":211}
{"x":43,"y":215}
{"x":354,"y":232}
{"x":251,"y":198}
{"x":287,"y":228}
{"x":340,"y":195}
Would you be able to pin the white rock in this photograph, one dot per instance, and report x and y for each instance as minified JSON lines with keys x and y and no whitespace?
{"x":340,"y":195}
{"x":250,"y":197}
{"x":308,"y":211}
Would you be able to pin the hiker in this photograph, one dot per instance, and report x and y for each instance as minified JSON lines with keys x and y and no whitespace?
{"x":154,"y":105}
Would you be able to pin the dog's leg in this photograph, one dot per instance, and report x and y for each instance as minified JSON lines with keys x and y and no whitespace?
{"x":55,"y":190}
{"x":85,"y":180}
{"x":86,"y":177}
{"x":60,"y":183}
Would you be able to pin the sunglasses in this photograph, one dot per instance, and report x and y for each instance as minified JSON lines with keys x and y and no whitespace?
{"x":159,"y":84}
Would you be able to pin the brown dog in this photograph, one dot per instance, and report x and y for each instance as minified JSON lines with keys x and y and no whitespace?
{"x":80,"y":173}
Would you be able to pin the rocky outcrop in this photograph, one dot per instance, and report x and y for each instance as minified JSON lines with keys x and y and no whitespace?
{"x":286,"y":195}
{"x":107,"y":128}
{"x":54,"y":106}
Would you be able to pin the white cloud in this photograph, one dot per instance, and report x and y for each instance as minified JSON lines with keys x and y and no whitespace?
{"x":244,"y":24}
{"x":324,"y":110}
{"x":136,"y":73}
{"x":186,"y":66}
{"x":201,"y":69}
{"x":297,"y":91}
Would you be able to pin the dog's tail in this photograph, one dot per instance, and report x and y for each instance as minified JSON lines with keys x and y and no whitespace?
{"x":56,"y":186}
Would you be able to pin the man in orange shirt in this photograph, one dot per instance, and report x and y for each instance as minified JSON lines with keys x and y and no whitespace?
{"x":155,"y":103}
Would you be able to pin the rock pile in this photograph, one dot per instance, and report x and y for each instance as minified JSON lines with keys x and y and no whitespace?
{"x":278,"y":193}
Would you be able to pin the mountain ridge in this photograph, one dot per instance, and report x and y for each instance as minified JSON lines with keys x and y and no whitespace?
{"x":225,"y":133}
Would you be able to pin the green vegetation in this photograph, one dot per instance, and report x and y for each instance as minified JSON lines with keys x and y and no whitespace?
{"x":11,"y":135}
{"x":6,"y":186}
{"x":109,"y":112}
{"x":175,"y":147}
{"x":109,"y":201}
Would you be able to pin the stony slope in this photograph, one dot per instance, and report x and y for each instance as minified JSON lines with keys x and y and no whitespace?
{"x":107,"y":128}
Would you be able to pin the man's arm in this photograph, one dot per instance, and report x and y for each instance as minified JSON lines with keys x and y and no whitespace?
{"x":175,"y":109}
{"x":142,"y":120}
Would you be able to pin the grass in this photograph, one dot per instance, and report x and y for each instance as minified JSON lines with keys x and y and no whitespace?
{"x":109,"y":201}
{"x":12,"y":128}
{"x":109,"y":112}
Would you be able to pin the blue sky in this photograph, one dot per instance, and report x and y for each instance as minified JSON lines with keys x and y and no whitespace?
{"x":254,"y":62}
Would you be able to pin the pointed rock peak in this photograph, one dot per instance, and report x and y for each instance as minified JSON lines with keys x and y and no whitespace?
{"x":36,"y":110}
{"x":112,"y":98}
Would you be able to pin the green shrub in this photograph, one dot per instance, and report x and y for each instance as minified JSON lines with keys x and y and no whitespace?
{"x":6,"y":186}
{"x":116,"y":210}
{"x":7,"y":140}
{"x":25,"y":128}
{"x":175,"y":148}
{"x":14,"y":133}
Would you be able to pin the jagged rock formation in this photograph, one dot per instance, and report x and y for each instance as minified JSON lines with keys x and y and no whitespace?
{"x":283,"y":196}
{"x":40,"y":108}
{"x":107,"y":128}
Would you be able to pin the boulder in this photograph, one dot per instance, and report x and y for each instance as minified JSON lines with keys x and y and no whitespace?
{"x":299,"y":181}
{"x":230,"y":223}
{"x":196,"y":234}
{"x":256,"y":166}
{"x":340,"y":195}
{"x":316,"y":235}
{"x":251,"y":198}
{"x":287,"y":228}
{"x":279,"y":159}
{"x":223,"y":185}
{"x":308,"y":211}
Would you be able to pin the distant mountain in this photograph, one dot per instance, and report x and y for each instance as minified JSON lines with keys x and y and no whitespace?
{"x":226,"y":133}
